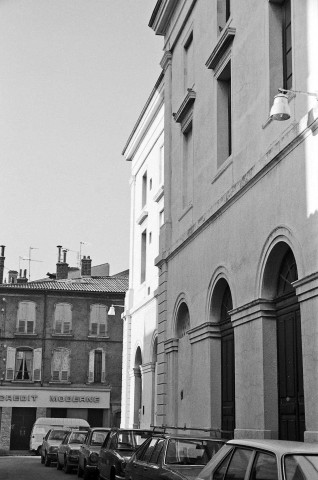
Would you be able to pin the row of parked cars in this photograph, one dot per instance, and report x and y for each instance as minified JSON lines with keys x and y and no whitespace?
{"x":134,"y":454}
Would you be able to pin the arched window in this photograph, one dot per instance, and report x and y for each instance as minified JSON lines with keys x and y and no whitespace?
{"x":287,"y":274}
{"x":183,"y":320}
{"x":26,"y":317}
{"x":63,"y":318}
{"x":98,"y":320}
{"x":60,"y":365}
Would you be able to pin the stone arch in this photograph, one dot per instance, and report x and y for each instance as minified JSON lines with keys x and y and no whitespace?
{"x":181,"y":317}
{"x":218,"y":284}
{"x":276,"y":245}
{"x":137,"y":387}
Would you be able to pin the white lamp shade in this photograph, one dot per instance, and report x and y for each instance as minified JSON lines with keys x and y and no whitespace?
{"x":280,"y":109}
{"x":111,"y":311}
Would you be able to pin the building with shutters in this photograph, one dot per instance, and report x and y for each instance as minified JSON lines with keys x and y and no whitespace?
{"x":61,"y":353}
{"x":238,"y":254}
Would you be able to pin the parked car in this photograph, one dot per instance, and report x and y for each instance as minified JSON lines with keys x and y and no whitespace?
{"x":43,"y":424}
{"x":89,"y":452}
{"x":50,"y":444}
{"x":171,"y":456}
{"x":68,"y":450}
{"x":116,"y":450}
{"x":263,"y":459}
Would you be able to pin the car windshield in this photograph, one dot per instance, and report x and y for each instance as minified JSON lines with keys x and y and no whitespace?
{"x":57,"y":434}
{"x":190,"y":451}
{"x":131,"y":439}
{"x":77,"y":437}
{"x":301,"y":467}
{"x":98,"y":438}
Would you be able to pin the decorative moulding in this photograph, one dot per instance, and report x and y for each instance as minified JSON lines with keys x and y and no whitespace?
{"x":185,"y":106}
{"x":159,"y":194}
{"x":222,"y":45}
{"x":142,"y":217}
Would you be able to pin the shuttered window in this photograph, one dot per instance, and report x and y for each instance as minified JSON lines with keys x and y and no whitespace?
{"x":23,"y":364}
{"x":63,"y":318}
{"x":26,"y":317}
{"x":60,"y":365}
{"x":98,"y":320}
{"x":97,"y":366}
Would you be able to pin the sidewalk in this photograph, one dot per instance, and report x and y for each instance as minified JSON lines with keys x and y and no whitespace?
{"x":14,"y":453}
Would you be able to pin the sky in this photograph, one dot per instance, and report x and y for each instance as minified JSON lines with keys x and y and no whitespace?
{"x":74,"y":77}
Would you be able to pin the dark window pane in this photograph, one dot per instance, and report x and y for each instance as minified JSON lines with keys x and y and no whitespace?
{"x":220,"y":472}
{"x":265,"y":467}
{"x":157,"y":451}
{"x":238,"y":465}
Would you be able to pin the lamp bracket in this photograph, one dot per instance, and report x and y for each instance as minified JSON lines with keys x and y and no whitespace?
{"x":312,"y":94}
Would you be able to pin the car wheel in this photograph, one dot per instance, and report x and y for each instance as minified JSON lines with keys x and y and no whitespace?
{"x":79,"y":471}
{"x":47,"y":461}
{"x":58,"y":465}
{"x":66,"y":467}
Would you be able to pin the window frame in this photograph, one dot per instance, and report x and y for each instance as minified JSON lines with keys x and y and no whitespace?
{"x":26,"y":320}
{"x":67,"y":357}
{"x":63,"y":321}
{"x":93,"y":316}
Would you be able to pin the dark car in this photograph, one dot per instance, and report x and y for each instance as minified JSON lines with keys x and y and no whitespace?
{"x":89,"y":452}
{"x":68,"y":450}
{"x":50,"y":444}
{"x":171,"y":456}
{"x":118,"y":447}
{"x":263,"y":459}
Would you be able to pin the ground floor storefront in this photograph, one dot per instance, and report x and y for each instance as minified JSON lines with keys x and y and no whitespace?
{"x":20,"y":407}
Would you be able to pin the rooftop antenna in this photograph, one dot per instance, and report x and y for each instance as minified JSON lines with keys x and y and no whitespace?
{"x":80,"y":252}
{"x":30,"y":259}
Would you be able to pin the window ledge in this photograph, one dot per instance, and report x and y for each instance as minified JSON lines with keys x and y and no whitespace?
{"x":142,"y":217}
{"x":23,"y":334}
{"x":185,"y":211}
{"x":97,"y":336}
{"x":225,"y":165}
{"x":185,"y":106}
{"x":23,"y":381}
{"x":68,"y":335}
{"x":222,"y":45}
{"x":58,"y":382}
{"x":159,"y":194}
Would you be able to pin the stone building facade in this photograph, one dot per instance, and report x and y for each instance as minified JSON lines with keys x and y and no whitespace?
{"x":61,"y":353}
{"x":145,"y":150}
{"x":238,"y":260}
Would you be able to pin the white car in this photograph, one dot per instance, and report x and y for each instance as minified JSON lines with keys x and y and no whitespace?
{"x":263,"y":460}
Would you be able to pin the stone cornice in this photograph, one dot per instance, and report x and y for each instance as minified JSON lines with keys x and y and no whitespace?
{"x":166,"y":60}
{"x":252,"y":311}
{"x":205,"y":331}
{"x":147,"y":367}
{"x":307,"y":287}
{"x":185,"y":107}
{"x":171,"y":345}
{"x":222,"y":45}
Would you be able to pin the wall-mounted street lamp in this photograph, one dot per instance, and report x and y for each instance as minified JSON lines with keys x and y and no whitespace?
{"x":111,"y":311}
{"x":280,"y":109}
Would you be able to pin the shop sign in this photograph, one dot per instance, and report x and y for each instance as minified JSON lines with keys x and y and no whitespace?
{"x":45,"y":398}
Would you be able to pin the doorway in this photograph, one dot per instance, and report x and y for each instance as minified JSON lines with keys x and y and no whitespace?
{"x":22,"y":421}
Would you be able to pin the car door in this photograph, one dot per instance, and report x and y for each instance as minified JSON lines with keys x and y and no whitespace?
{"x":142,"y":469}
{"x":83,"y":450}
{"x":62,"y":448}
{"x":154,"y":458}
{"x":103,"y":460}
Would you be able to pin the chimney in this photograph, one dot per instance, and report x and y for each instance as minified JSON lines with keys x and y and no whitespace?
{"x":23,"y":279}
{"x":2,"y":259}
{"x":13,"y":276}
{"x":61,"y":266}
{"x":86,"y":267}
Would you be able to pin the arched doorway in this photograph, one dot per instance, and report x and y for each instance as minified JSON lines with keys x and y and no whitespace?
{"x":227,"y":366}
{"x":138,"y":388}
{"x":184,"y":366}
{"x":291,"y":409}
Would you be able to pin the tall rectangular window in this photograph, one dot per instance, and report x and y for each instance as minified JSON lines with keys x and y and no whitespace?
{"x":161,"y":164}
{"x":187,"y":166}
{"x":98,"y":366}
{"x":144,"y":190}
{"x":287,"y":46}
{"x":280,"y":46}
{"x":143,"y":256}
{"x":223,"y":12}
{"x":224,"y":115}
{"x":188,"y":63}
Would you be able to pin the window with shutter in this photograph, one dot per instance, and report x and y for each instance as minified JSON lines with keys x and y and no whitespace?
{"x":91,"y":366}
{"x":63,"y":318}
{"x":98,"y":320}
{"x":10,"y":363}
{"x":60,"y":365}
{"x":102,"y":329}
{"x":37,"y":364}
{"x":94,"y":327}
{"x":26,"y":317}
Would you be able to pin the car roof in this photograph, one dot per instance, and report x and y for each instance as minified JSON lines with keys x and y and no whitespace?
{"x":102,"y":429}
{"x":186,"y":436}
{"x":277,"y":446}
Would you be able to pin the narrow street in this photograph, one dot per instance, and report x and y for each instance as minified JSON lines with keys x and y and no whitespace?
{"x":28,"y":468}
